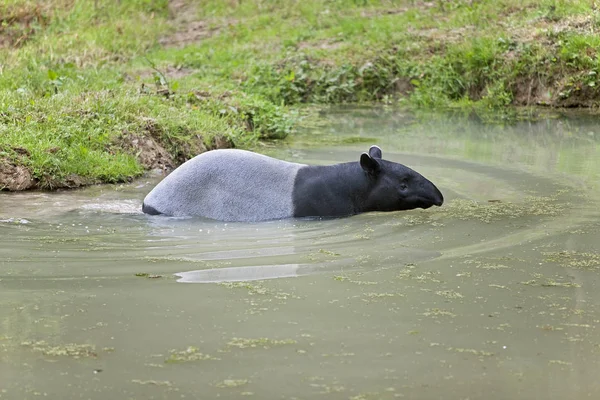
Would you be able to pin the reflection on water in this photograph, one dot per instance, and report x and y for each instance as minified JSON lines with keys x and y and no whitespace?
{"x":494,"y":295}
{"x":243,"y":274}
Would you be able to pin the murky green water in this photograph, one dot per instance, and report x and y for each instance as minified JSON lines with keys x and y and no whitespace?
{"x":495,"y":295}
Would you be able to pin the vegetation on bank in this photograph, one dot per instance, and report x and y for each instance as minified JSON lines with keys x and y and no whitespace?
{"x":99,"y":91}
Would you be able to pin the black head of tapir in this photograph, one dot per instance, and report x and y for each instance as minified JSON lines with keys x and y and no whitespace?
{"x":395,"y":187}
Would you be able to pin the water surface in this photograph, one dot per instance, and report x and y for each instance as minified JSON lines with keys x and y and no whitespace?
{"x":495,"y":295}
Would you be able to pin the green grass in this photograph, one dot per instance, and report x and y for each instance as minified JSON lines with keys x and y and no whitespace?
{"x":77,"y":76}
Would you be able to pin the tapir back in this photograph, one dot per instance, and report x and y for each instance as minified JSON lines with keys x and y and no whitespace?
{"x":227,"y":185}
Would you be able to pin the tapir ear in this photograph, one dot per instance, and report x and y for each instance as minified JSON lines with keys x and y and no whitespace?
{"x":369,"y":164}
{"x":375,"y":152}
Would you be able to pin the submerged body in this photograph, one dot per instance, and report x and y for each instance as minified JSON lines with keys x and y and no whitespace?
{"x":239,"y":185}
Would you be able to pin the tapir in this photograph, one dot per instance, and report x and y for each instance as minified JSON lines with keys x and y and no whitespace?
{"x":239,"y":185}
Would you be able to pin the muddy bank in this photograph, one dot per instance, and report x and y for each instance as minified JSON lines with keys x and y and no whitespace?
{"x":146,"y":146}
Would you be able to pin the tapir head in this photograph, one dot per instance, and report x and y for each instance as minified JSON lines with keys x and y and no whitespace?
{"x":395,"y":187}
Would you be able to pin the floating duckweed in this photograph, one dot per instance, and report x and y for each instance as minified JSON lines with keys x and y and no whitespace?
{"x":559,"y":362}
{"x":232,"y":383}
{"x":256,"y":310}
{"x":531,"y":282}
{"x":484,"y":265}
{"x":329,"y":253}
{"x":253,"y":288}
{"x":366,"y":396}
{"x":284,"y":296}
{"x":265,"y":343}
{"x":552,"y":283}
{"x":470,"y":351}
{"x":69,"y":350}
{"x":372,"y":295}
{"x":326,"y":389}
{"x":53,"y":240}
{"x":577,"y":325}
{"x":550,"y":328}
{"x":574,"y":259}
{"x":152,"y":382}
{"x":578,"y":232}
{"x":406,"y":272}
{"x":347,"y":279}
{"x":436,"y":312}
{"x":186,"y":260}
{"x":503,"y":327}
{"x":491,"y":266}
{"x":492,"y":211}
{"x":419,"y":219}
{"x":364,"y":282}
{"x":498,"y":286}
{"x":449,"y":294}
{"x":427,"y":276}
{"x":147,"y":275}
{"x":190,"y":354}
{"x":344,"y":354}
{"x":574,"y":339}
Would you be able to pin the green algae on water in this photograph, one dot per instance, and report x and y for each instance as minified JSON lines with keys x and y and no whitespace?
{"x":493,"y":285}
{"x":436,"y":312}
{"x":152,"y":382}
{"x":232,"y":383}
{"x":479,"y":353}
{"x":253,"y":288}
{"x":341,"y":278}
{"x":329,"y":253}
{"x":70,"y":350}
{"x":575,"y":259}
{"x":449,"y":294}
{"x":553,"y":283}
{"x":265,"y":343}
{"x":480,"y":264}
{"x":550,"y":283}
{"x":560,"y":362}
{"x":373,"y":295}
{"x":493,"y":211}
{"x":190,"y":354}
{"x":147,"y":275}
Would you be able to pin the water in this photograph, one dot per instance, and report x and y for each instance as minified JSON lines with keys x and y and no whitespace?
{"x":495,"y":295}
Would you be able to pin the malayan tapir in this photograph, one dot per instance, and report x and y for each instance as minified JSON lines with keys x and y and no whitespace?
{"x":239,"y":185}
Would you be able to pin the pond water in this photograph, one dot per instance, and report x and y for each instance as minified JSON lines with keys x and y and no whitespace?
{"x":494,"y":295}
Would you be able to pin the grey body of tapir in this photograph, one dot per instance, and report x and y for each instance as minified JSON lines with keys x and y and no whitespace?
{"x":239,"y":185}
